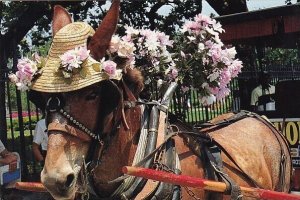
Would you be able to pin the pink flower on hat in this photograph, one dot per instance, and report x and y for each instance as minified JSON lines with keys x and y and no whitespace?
{"x":83,"y":53}
{"x":109,"y":67}
{"x":74,"y":58}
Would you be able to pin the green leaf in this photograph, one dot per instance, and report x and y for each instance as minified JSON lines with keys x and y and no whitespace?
{"x":83,"y":72}
{"x":96,"y":67}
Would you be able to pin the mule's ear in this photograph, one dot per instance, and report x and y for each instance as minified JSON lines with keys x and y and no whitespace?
{"x":60,"y":18}
{"x":101,"y":39}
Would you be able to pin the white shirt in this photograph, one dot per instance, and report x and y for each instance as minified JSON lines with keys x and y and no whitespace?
{"x":40,"y":135}
{"x":2,"y":147}
{"x":258,"y":91}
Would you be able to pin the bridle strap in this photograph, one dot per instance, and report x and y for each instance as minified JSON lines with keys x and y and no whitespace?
{"x":71,"y":130}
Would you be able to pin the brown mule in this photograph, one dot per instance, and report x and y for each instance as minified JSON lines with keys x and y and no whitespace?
{"x":95,"y":123}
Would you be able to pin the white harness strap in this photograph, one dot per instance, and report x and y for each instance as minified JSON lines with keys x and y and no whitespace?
{"x":139,"y":155}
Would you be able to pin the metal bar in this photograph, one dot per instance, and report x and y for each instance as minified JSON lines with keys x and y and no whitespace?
{"x":30,"y":131}
{"x":10,"y":116}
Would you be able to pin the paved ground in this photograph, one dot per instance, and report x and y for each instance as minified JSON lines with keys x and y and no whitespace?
{"x":23,"y":195}
{"x":297,"y":193}
{"x":13,"y":194}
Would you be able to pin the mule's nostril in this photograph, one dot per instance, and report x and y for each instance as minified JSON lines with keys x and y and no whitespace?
{"x":70,"y":180}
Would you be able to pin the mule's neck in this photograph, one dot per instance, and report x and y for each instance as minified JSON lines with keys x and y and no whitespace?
{"x":120,"y":152}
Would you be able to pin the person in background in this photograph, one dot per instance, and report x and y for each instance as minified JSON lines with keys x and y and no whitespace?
{"x":7,"y":157}
{"x":264,"y":88}
{"x":40,"y":141}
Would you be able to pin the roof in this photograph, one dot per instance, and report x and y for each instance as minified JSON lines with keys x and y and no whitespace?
{"x":275,"y":27}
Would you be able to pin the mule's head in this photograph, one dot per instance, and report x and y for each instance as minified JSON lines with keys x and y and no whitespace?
{"x":77,"y":116}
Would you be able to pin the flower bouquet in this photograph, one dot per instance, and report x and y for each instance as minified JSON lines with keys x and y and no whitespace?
{"x":28,"y":69}
{"x":147,"y":50}
{"x":202,"y":61}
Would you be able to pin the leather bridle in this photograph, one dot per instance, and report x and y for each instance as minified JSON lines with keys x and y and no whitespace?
{"x":76,"y":129}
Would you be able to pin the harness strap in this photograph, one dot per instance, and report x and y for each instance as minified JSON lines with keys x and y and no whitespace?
{"x":139,"y":183}
{"x":239,"y":116}
{"x":231,"y":187}
{"x":282,"y":142}
{"x":204,"y":137}
{"x":53,"y":126}
{"x":225,"y":122}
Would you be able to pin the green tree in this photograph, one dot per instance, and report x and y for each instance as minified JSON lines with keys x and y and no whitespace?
{"x":284,"y":56}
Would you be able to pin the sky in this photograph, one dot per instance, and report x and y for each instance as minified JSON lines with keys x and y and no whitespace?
{"x":252,"y":5}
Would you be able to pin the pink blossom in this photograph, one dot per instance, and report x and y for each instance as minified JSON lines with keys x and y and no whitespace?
{"x":83,"y":53}
{"x":74,"y":58}
{"x":109,"y":67}
{"x":131,"y":31}
{"x":164,"y":39}
{"x":36,"y":57}
{"x":225,"y":77}
{"x":209,"y":44}
{"x":217,"y":27}
{"x":191,"y":27}
{"x":235,"y":68}
{"x":205,"y":20}
{"x":185,"y":89}
{"x":216,"y":53}
{"x":174,"y":73}
{"x":223,"y":92}
{"x":13,"y":78}
{"x":147,"y":33}
{"x":207,"y":100}
{"x":114,"y":44}
{"x":182,"y":54}
{"x":26,"y":68}
{"x":126,"y":49}
{"x":127,"y":38}
{"x":213,"y":90}
{"x":69,"y":60}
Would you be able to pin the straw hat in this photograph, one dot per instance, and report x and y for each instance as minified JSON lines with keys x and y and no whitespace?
{"x":70,"y":36}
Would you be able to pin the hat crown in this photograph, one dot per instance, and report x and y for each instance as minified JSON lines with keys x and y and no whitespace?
{"x":67,"y":38}
{"x":70,"y":36}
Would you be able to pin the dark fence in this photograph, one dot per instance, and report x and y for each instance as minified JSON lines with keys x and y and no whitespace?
{"x":21,"y":118}
{"x":22,"y":115}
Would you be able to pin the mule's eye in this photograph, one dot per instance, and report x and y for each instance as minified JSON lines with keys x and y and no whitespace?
{"x":92,"y":96}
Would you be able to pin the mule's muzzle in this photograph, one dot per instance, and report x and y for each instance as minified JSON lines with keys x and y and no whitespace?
{"x":60,"y":185}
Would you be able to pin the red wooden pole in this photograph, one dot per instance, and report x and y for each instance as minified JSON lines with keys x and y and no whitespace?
{"x":31,"y":186}
{"x":189,"y":181}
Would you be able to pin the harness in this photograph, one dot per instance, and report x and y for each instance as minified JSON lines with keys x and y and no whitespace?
{"x":152,"y":152}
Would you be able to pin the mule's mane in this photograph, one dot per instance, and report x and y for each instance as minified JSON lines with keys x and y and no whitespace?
{"x":134,"y":80}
